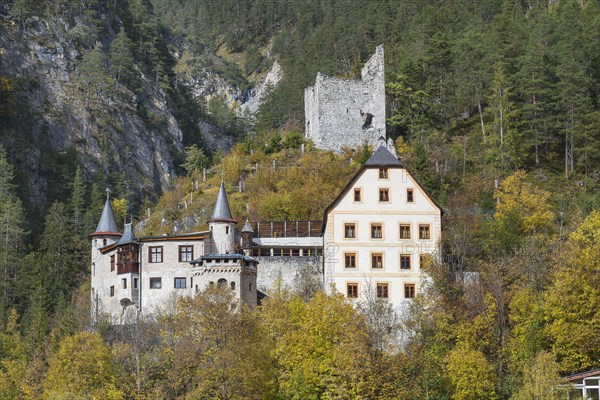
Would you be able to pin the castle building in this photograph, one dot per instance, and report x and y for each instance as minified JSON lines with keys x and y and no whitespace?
{"x":347,"y":112}
{"x":147,"y":273}
{"x":375,"y":237}
{"x":379,"y":232}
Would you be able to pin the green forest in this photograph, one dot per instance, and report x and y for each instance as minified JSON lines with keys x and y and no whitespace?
{"x":494,"y":105}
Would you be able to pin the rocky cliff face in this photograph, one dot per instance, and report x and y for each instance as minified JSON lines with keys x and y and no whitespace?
{"x":54,"y":117}
{"x":116,"y":134}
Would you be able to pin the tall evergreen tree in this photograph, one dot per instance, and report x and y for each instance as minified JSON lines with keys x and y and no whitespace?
{"x":59,"y":270}
{"x":12,"y":235}
{"x":121,"y":58}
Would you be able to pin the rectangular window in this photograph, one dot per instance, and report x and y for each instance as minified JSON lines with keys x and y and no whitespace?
{"x":383,"y":173}
{"x":180,"y":283}
{"x":357,"y":195}
{"x":112,"y":263}
{"x":404,"y":261}
{"x":350,"y":260}
{"x":155,"y":283}
{"x":409,"y":291}
{"x":124,"y":283}
{"x":352,"y":290}
{"x":186,"y":253}
{"x":112,"y":291}
{"x":410,"y":196}
{"x":155,"y":254}
{"x":384,"y":195}
{"x":350,"y":231}
{"x":135,"y":283}
{"x":404,"y":231}
{"x":383,"y":291}
{"x":424,"y":231}
{"x":377,"y":260}
{"x":376,"y":231}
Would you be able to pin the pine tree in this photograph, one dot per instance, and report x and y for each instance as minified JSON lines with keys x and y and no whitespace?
{"x":12,"y":235}
{"x":121,"y":58}
{"x":573,"y":79}
{"x":504,"y":147}
{"x":58,"y":262}
{"x":535,"y":85}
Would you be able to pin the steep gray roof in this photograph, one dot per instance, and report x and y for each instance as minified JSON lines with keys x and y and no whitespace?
{"x":247,"y":228}
{"x":128,"y":236}
{"x":383,"y":158}
{"x":107,"y":223}
{"x":222,"y":211}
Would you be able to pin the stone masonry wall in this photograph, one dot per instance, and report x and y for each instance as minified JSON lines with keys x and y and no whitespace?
{"x":293,"y":272}
{"x":347,"y":112}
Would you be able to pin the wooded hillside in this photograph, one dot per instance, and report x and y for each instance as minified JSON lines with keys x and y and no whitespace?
{"x":493,"y":105}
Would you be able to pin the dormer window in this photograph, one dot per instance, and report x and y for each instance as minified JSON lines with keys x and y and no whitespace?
{"x":383,"y":173}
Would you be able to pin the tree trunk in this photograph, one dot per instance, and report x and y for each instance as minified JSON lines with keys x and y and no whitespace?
{"x":481,"y":117}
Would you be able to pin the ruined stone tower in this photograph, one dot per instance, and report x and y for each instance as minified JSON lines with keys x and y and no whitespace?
{"x":347,"y":112}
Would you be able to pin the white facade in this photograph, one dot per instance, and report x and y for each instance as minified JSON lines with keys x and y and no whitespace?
{"x":145,"y":275}
{"x":378,"y":232}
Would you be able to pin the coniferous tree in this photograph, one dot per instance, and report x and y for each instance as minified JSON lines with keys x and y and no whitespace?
{"x":59,"y":270}
{"x":12,"y":235}
{"x":122,"y":66}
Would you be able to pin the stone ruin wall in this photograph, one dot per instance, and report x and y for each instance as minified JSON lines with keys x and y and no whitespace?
{"x":347,"y":112}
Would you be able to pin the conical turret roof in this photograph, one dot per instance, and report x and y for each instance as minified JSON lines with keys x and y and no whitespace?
{"x":107,"y":226}
{"x":247,"y":228}
{"x":128,"y":236}
{"x":222,"y":212}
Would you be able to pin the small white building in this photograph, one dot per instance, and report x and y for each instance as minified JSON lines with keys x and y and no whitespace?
{"x":378,"y":233}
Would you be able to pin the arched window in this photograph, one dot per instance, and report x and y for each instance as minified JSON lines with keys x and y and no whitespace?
{"x":232,"y":285}
{"x":222,"y":282}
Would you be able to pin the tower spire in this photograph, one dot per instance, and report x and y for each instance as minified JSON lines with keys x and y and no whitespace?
{"x":222,"y":211}
{"x":107,"y":225}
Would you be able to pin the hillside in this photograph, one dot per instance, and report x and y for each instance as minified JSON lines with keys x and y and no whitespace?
{"x":492,"y":105}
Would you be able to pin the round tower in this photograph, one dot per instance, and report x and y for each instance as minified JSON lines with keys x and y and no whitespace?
{"x":247,"y":234}
{"x":222,"y":226}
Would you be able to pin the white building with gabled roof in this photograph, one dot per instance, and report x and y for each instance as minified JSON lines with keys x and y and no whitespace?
{"x":379,"y":232}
